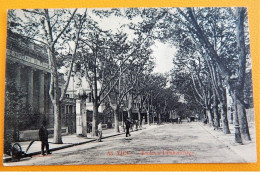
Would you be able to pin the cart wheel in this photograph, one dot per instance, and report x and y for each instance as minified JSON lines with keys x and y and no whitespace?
{"x":16,"y":151}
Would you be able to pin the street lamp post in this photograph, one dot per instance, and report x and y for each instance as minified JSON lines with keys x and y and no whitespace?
{"x":73,"y":110}
{"x":238,"y":138}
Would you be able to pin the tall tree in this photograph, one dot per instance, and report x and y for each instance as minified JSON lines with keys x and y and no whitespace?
{"x":190,"y":16}
{"x":50,"y":32}
{"x":213,"y":29}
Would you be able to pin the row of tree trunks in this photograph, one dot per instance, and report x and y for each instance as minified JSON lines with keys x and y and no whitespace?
{"x":239,"y":93}
{"x":238,"y":86}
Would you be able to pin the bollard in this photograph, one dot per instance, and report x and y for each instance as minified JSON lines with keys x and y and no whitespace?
{"x":237,"y":134}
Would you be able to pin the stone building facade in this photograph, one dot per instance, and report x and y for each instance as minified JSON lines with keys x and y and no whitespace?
{"x":27,"y":67}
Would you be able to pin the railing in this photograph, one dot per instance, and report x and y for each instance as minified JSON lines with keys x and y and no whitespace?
{"x":32,"y":50}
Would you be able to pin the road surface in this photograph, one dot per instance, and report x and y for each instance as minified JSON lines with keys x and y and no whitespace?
{"x":168,"y":143}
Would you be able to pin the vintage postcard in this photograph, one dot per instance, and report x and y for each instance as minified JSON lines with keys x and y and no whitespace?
{"x":128,"y":86}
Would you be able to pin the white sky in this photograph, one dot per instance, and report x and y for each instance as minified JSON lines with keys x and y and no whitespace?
{"x":163,"y":54}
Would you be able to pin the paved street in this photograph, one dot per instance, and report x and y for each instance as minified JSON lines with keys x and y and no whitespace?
{"x":168,"y":143}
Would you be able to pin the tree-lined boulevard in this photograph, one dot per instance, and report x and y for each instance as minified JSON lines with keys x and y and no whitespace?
{"x":182,"y":143}
{"x":212,"y":64}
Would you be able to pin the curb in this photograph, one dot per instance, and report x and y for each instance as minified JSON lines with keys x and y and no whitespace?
{"x":8,"y":159}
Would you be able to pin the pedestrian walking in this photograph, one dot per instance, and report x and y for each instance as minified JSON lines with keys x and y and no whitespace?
{"x":100,"y":132}
{"x":43,"y":135}
{"x":143,"y":122}
{"x":179,"y":120}
{"x":136,"y":124}
{"x":132,"y":125}
{"x":127,"y":126}
{"x":205,"y":121}
{"x":90,"y":127}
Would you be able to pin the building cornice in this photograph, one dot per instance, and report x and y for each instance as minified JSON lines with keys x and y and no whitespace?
{"x":27,"y":61}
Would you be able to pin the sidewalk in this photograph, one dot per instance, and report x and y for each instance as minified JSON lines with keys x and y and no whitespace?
{"x":68,"y":141}
{"x":247,"y":150}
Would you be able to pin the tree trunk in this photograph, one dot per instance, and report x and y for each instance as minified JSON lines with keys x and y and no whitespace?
{"x":129,"y":106}
{"x":159,"y":118}
{"x":240,"y":12}
{"x":231,"y":113}
{"x":210,"y":117}
{"x":57,"y":123}
{"x":94,"y":118}
{"x":148,"y":117}
{"x":230,"y":105}
{"x":116,"y":114}
{"x":241,"y":111}
{"x":56,"y":107}
{"x":238,"y":138}
{"x":95,"y":99}
{"x":215,"y":112}
{"x":129,"y":113}
{"x":153,"y":115}
{"x":139,"y":115}
{"x":223,"y":112}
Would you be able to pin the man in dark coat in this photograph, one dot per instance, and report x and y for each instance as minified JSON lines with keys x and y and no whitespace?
{"x":127,"y":126}
{"x":43,"y":135}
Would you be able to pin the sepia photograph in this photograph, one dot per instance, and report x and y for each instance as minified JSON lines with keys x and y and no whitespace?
{"x":128,"y":86}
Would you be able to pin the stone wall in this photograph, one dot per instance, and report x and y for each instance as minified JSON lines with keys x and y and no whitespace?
{"x":29,"y":135}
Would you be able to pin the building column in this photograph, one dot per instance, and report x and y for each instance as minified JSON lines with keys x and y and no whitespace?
{"x":30,"y":88}
{"x":18,"y":76}
{"x":70,"y":124}
{"x":41,"y":92}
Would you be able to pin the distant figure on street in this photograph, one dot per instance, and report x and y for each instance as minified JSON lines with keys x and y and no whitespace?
{"x":143,"y":122}
{"x":132,"y":125}
{"x":90,"y":127}
{"x":179,"y":120}
{"x":205,"y":121}
{"x":100,"y":132}
{"x":43,"y":135}
{"x":127,"y":126}
{"x":136,"y":124}
{"x":215,"y":125}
